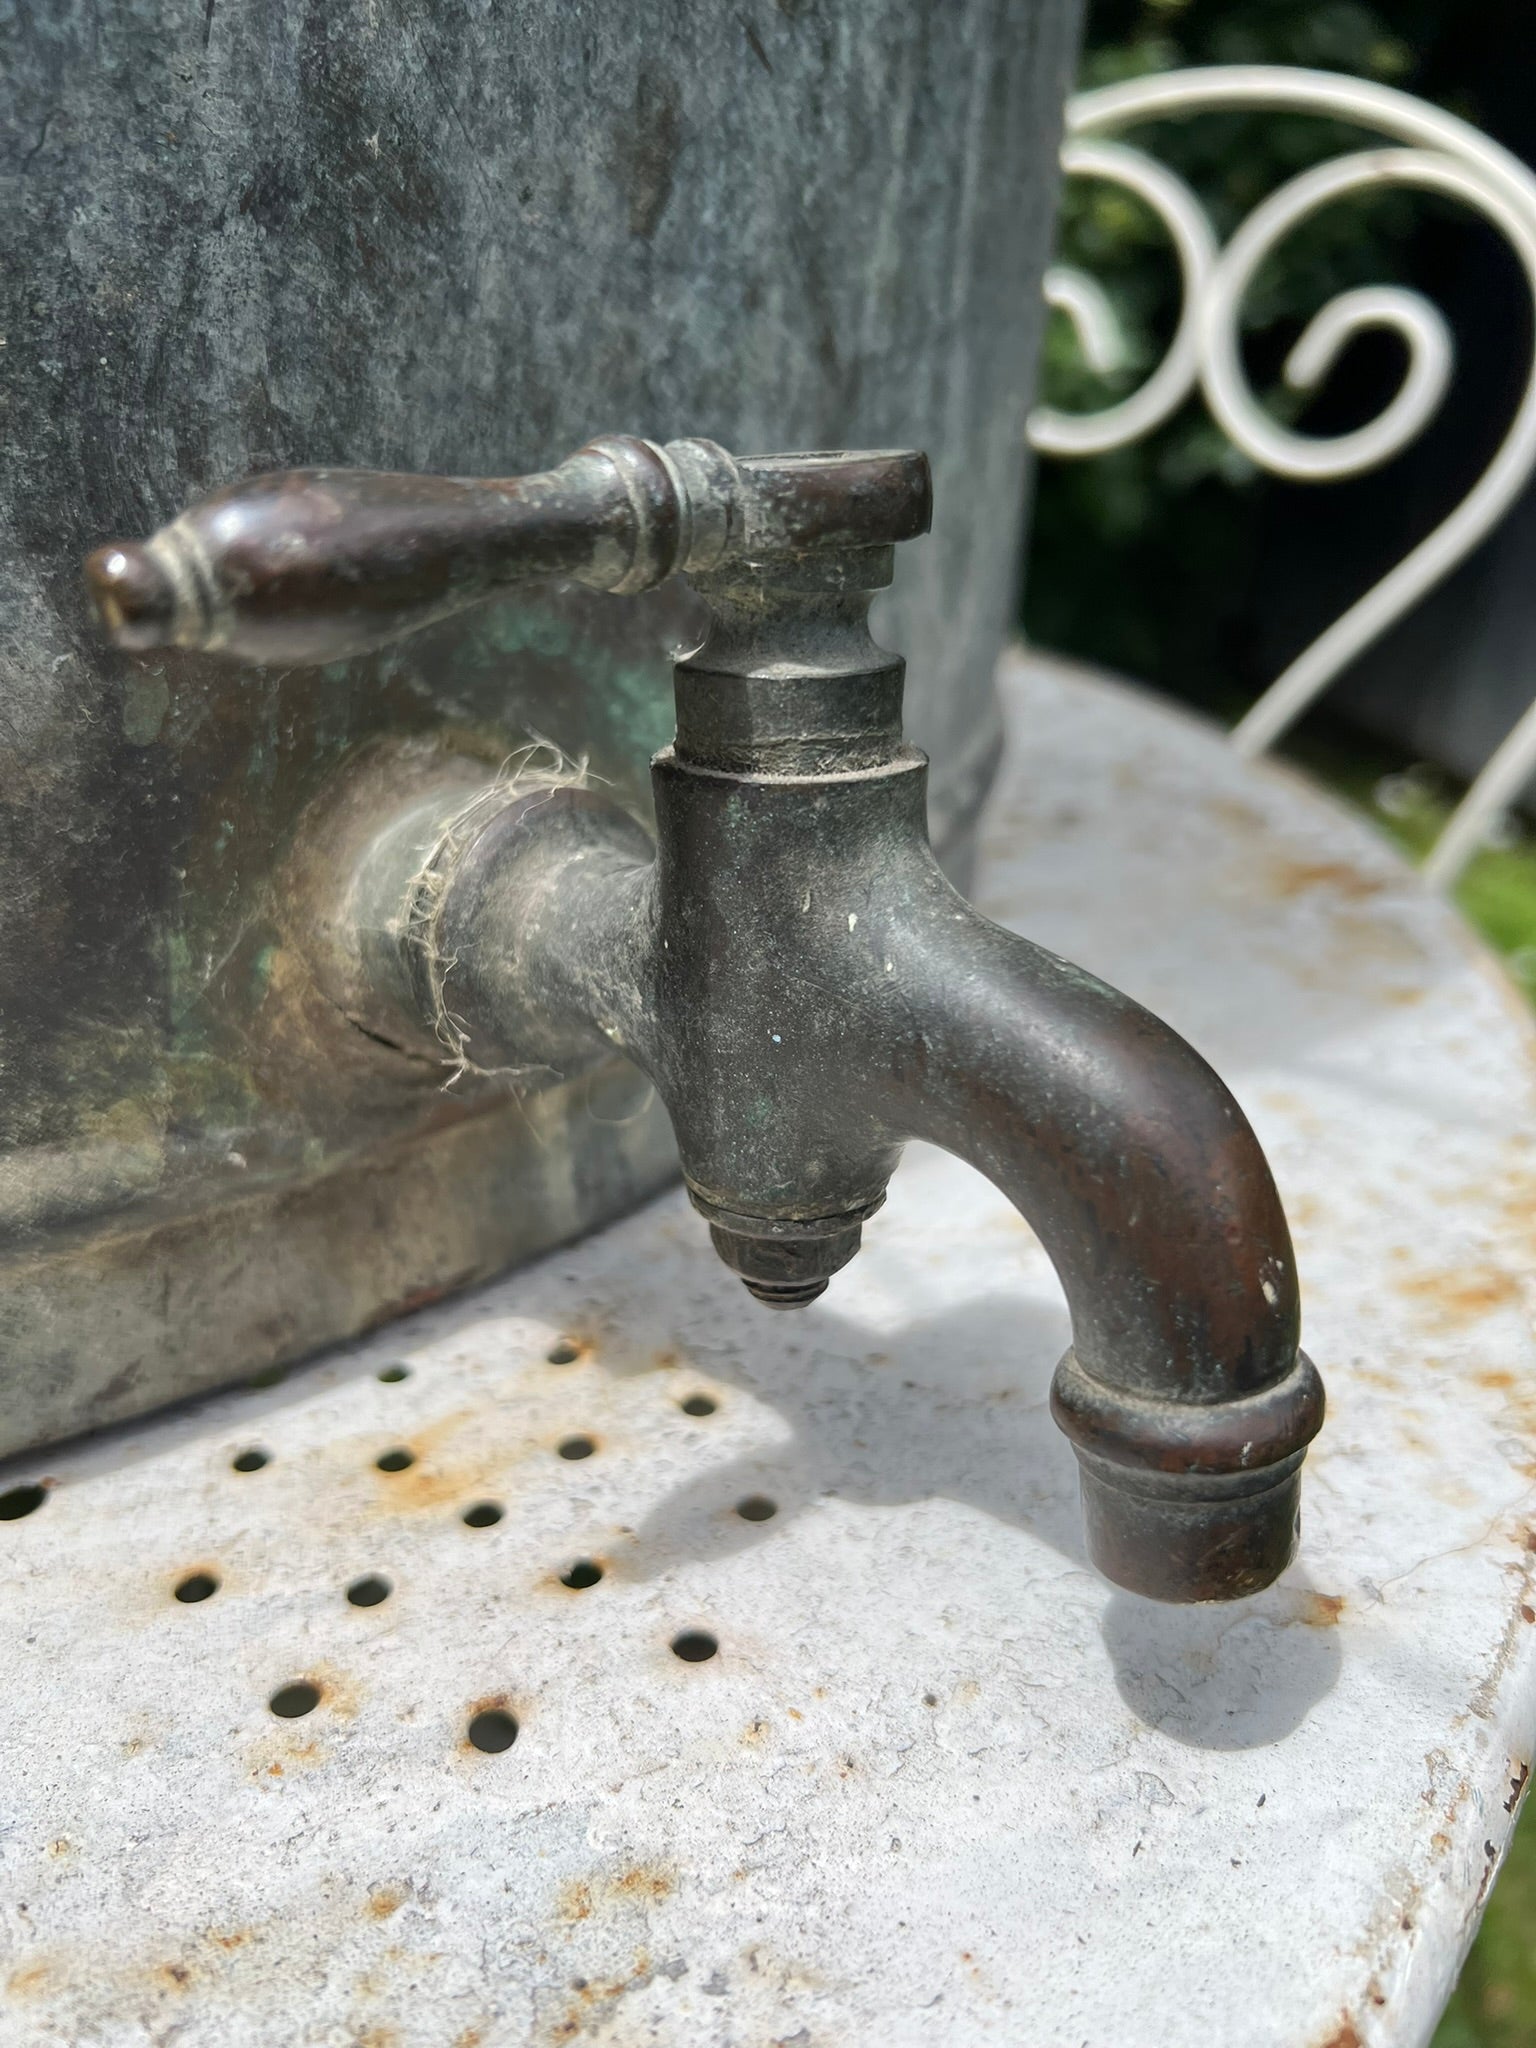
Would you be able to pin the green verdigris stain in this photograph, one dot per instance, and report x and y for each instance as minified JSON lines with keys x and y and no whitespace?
{"x":640,"y":710}
{"x":632,"y":697}
{"x":529,"y":629}
{"x":146,"y":699}
{"x":180,"y":981}
{"x":261,"y":973}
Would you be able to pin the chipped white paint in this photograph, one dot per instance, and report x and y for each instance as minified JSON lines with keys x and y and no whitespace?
{"x":940,"y":1785}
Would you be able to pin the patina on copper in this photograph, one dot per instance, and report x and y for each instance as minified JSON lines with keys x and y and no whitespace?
{"x":791,"y":967}
{"x":456,"y":241}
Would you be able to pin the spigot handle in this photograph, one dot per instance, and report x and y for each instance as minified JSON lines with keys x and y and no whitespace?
{"x":312,"y":565}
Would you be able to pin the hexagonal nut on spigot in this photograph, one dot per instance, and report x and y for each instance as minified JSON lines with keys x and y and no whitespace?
{"x":784,"y":1262}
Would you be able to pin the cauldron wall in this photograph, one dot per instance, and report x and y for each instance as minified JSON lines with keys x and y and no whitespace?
{"x":450,"y":237}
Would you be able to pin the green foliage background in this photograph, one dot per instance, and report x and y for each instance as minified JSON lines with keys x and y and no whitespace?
{"x":1159,"y":518}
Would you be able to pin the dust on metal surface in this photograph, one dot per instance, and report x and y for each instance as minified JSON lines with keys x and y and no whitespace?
{"x":741,"y":1678}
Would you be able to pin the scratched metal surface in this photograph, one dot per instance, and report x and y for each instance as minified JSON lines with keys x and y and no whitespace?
{"x":939,"y":1784}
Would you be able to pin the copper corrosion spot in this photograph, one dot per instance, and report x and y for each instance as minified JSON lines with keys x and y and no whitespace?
{"x":1241,"y":817}
{"x":1457,"y":1296}
{"x":570,"y":1349}
{"x":640,"y":1885}
{"x":389,"y":1898}
{"x":591,"y":1996}
{"x":431,"y":1481}
{"x":1298,"y":877}
{"x":575,"y":1901}
{"x":339,"y":1694}
{"x":30,"y":1981}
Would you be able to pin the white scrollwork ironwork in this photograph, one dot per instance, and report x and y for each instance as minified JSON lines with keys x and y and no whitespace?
{"x":1444,"y":155}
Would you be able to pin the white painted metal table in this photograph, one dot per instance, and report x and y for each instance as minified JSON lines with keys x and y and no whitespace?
{"x":939,"y":1783}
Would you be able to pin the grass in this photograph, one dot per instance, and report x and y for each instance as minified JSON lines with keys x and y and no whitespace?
{"x":1410,"y":802}
{"x":1494,"y":2003}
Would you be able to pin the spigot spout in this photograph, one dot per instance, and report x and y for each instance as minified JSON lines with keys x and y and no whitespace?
{"x":808,"y":992}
